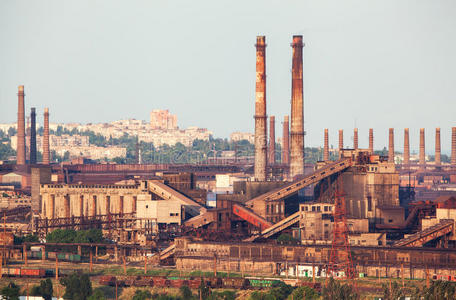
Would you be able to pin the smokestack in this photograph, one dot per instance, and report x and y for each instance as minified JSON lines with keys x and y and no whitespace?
{"x":286,"y":141}
{"x":326,"y":147}
{"x":271,"y":148}
{"x":391,"y":146}
{"x":422,"y":151}
{"x":341,"y":139}
{"x":33,"y":136}
{"x":297,"y":110}
{"x":355,"y":139}
{"x":437,"y":148}
{"x":260,"y":111}
{"x":46,"y":153}
{"x":406,"y":148}
{"x":371,"y":140}
{"x":27,"y":138}
{"x":453,"y":146}
{"x":20,"y":154}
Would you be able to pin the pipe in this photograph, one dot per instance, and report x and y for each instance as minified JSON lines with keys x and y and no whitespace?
{"x":271,"y":149}
{"x":20,"y":154}
{"x":326,"y":146}
{"x":33,"y":136}
{"x":437,"y":148}
{"x":286,"y":141}
{"x":391,"y":146}
{"x":46,"y":153}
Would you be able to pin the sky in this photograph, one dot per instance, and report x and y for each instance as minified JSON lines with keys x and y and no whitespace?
{"x":370,"y":64}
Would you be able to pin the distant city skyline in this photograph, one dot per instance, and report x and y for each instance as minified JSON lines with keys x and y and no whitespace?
{"x":374,"y":65}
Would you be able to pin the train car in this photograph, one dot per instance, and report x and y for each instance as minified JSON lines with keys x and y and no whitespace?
{"x":161,"y":281}
{"x":213,"y":282}
{"x":262,"y":283}
{"x":143,"y":281}
{"x":194,"y":283}
{"x":235,"y":283}
{"x":38,"y":273}
{"x":177,"y":282}
{"x":11,"y":272}
{"x":107,"y":280}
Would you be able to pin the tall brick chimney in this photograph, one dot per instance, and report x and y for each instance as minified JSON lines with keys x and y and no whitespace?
{"x":391,"y":146}
{"x":20,"y":154}
{"x":33,"y":136}
{"x":286,"y":141}
{"x":437,"y":148}
{"x":341,"y":141}
{"x":260,"y":111}
{"x":46,"y":152}
{"x":326,"y":146}
{"x":453,"y":146}
{"x":371,"y":140}
{"x":406,"y":148}
{"x":422,"y":162}
{"x":297,"y":110}
{"x":271,"y":149}
{"x":355,"y":138}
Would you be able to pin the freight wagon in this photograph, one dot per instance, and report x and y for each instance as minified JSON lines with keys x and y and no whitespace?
{"x":18,"y":272}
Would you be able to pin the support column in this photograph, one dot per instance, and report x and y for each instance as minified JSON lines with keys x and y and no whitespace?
{"x":93,"y":208}
{"x":52,"y":207}
{"x":81,"y":206}
{"x":121,"y":205}
{"x":67,"y":207}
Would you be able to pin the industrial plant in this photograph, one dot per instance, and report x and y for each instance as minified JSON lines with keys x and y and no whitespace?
{"x":355,"y":213}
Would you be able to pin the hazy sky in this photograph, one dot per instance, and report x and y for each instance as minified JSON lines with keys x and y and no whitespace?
{"x":380,"y":64}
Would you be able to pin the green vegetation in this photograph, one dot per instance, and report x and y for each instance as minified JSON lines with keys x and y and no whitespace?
{"x":73,"y":236}
{"x":337,"y":291}
{"x":77,"y":286}
{"x":45,"y":289}
{"x":303,"y":292}
{"x":285,"y":238}
{"x":279,"y":291}
{"x":6,"y":151}
{"x":142,"y":295}
{"x":30,"y":238}
{"x":437,"y":290}
{"x":97,"y":295}
{"x":10,"y":292}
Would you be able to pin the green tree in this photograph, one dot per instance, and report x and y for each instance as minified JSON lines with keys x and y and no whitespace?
{"x":77,"y":286}
{"x":11,"y":291}
{"x":337,"y":291}
{"x":97,"y":295}
{"x":392,"y":291}
{"x":12,"y":131}
{"x":285,"y":238}
{"x":304,"y":293}
{"x":185,"y":292}
{"x":142,"y":295}
{"x":203,"y":290}
{"x":6,"y":151}
{"x":45,"y":289}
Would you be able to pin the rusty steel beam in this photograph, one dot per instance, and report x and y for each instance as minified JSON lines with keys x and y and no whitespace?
{"x":271,"y":149}
{"x":260,"y":111}
{"x":297,"y":110}
{"x":20,"y":154}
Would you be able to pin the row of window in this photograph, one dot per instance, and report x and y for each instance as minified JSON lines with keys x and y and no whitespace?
{"x":316,"y":208}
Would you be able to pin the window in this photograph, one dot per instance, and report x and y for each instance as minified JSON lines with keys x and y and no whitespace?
{"x":147,"y":206}
{"x":326,"y":208}
{"x":318,"y":208}
{"x":267,"y":208}
{"x":313,"y":208}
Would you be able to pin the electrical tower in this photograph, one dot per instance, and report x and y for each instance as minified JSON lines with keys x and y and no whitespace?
{"x":340,"y":258}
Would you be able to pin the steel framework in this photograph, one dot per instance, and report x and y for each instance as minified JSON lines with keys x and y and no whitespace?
{"x":340,"y":258}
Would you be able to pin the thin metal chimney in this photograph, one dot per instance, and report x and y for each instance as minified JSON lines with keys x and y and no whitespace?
{"x":271,"y":149}
{"x":260,"y":111}
{"x":326,"y":146}
{"x":20,"y":153}
{"x":33,"y":136}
